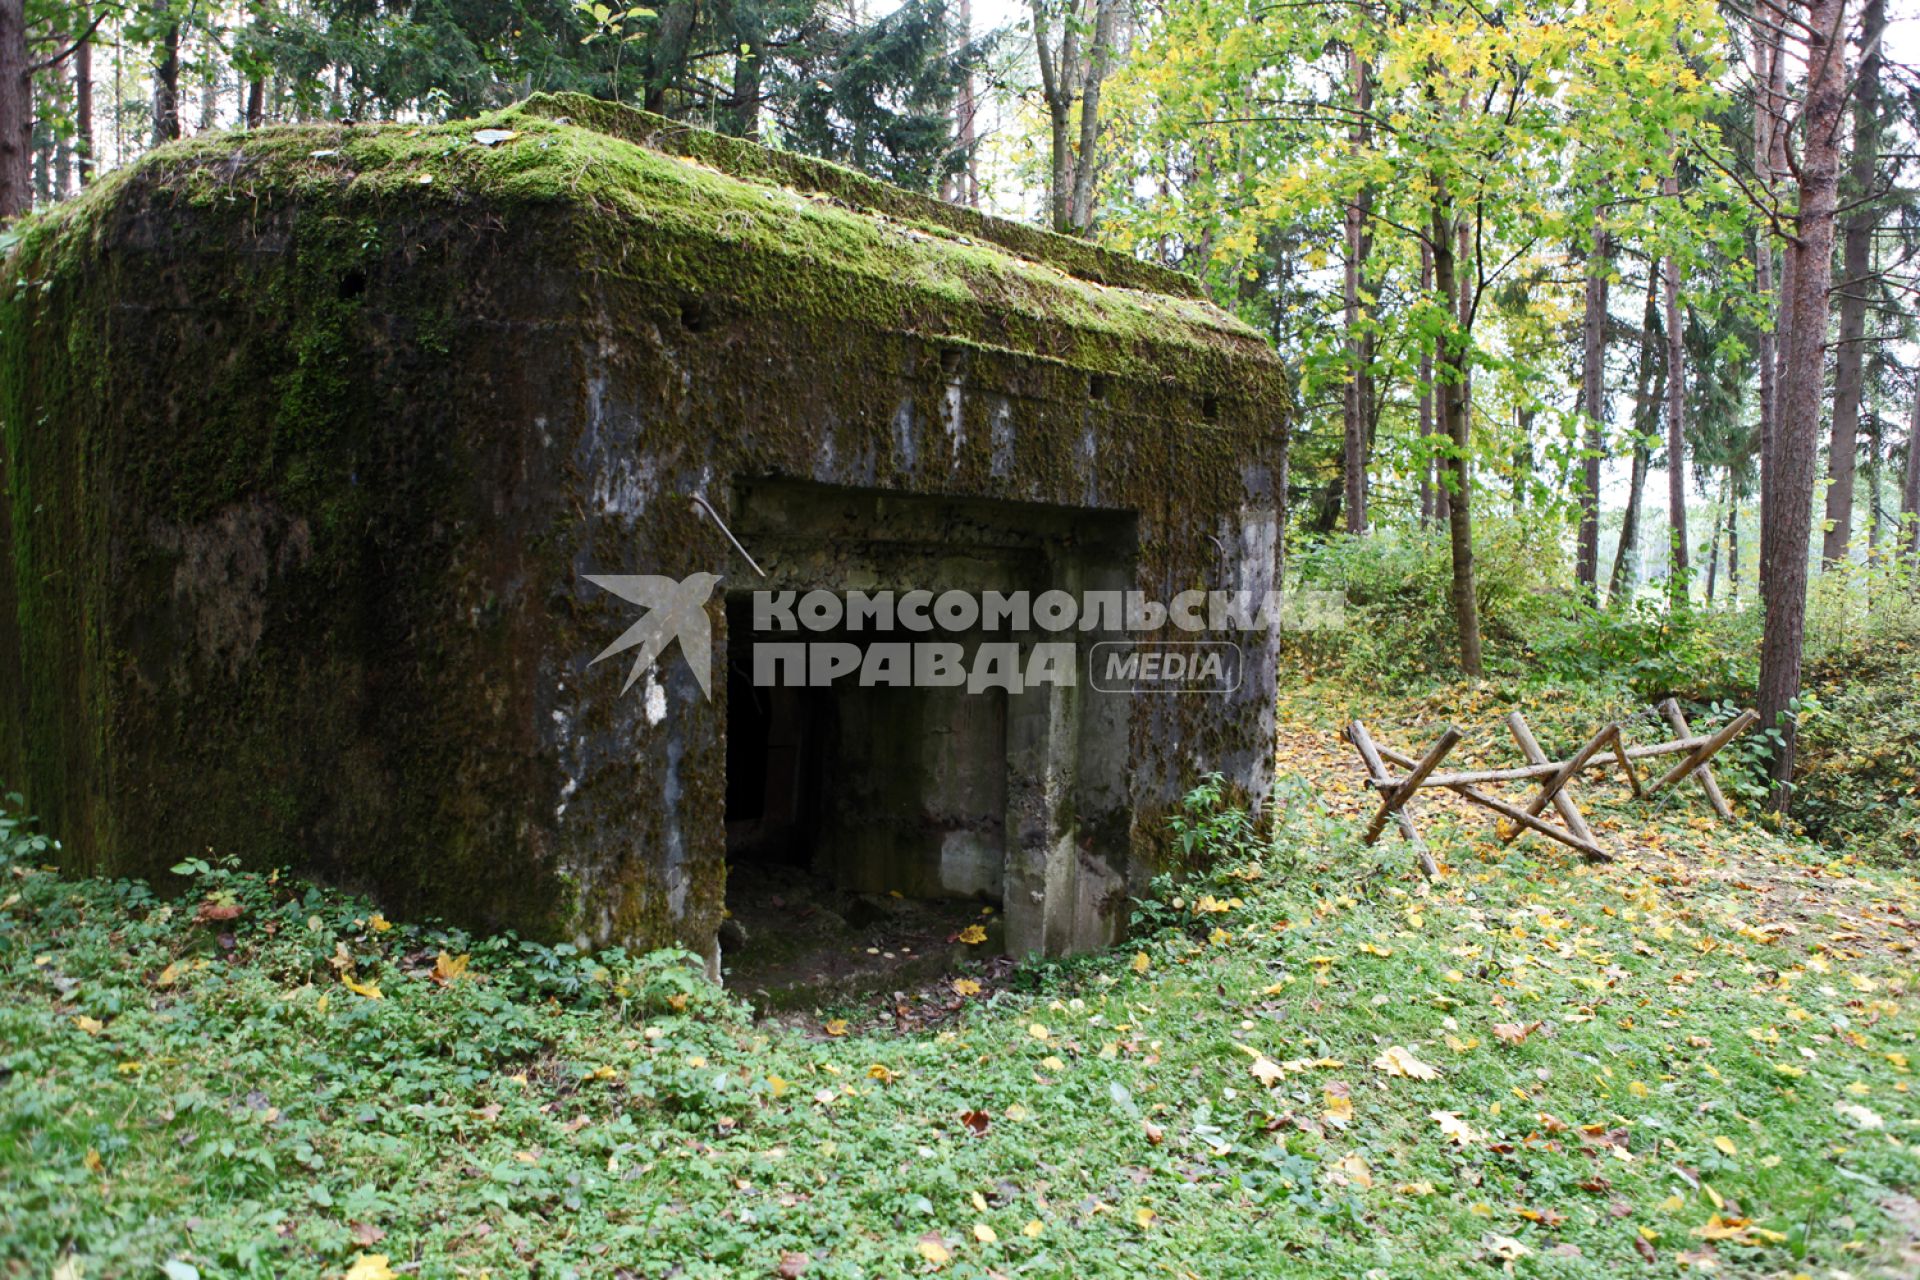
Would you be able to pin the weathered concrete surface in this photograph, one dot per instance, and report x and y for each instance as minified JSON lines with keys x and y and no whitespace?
{"x":310,"y":436}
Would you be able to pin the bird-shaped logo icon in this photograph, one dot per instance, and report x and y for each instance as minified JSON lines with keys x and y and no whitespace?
{"x":676,"y":609}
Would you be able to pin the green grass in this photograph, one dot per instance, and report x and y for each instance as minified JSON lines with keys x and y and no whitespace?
{"x":180,"y":1087}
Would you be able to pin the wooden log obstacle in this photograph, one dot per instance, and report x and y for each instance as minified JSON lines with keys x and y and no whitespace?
{"x":1606,"y":749}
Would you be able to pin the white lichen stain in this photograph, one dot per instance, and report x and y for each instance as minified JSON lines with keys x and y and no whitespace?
{"x":656,"y":698}
{"x":954,"y":416}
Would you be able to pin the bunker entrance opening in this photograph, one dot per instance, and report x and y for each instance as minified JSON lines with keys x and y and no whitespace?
{"x":870,"y":826}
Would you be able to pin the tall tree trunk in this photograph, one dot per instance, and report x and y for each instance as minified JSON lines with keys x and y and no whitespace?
{"x":748,"y":40}
{"x":1359,"y":239}
{"x":1678,"y":569}
{"x":1056,"y":87}
{"x":1785,"y":532}
{"x":55,"y":100}
{"x":963,"y":187}
{"x":1593,"y":404}
{"x":1910,"y":484}
{"x":1733,"y":547}
{"x":1713,"y":550}
{"x":1426,"y":403}
{"x":1443,"y":498}
{"x":1776,"y":170}
{"x":1769,"y":77}
{"x":166,"y":81}
{"x":1856,"y":258}
{"x":1453,"y":412}
{"x":1463,"y":309}
{"x":1876,"y":511}
{"x":666,"y":54}
{"x":256,"y":102}
{"x":1087,"y":164}
{"x":1522,"y":456}
{"x":1646,"y":394}
{"x":83,"y":101}
{"x":16,"y":112}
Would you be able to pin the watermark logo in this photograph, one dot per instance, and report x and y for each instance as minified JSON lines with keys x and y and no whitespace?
{"x":676,"y":609}
{"x":1116,"y":641}
{"x":1166,"y":666}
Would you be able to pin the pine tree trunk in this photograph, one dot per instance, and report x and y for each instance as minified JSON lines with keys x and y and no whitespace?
{"x":666,"y":53}
{"x":1645,"y":396}
{"x":1453,"y":412}
{"x":166,"y":82}
{"x":1785,"y":532}
{"x":1593,"y":404}
{"x":83,"y":102}
{"x":16,"y":112}
{"x":1769,"y":74}
{"x":1856,"y":256}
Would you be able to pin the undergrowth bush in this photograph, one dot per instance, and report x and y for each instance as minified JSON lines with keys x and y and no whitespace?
{"x":1399,"y":623}
{"x":1857,"y":781}
{"x":1400,"y":626}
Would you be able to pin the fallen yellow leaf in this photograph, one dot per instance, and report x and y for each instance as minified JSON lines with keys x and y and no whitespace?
{"x":370,"y":1266}
{"x":1397,"y":1061}
{"x":446,"y":968}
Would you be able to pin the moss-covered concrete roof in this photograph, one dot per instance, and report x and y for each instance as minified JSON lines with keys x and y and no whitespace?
{"x":780,"y":231}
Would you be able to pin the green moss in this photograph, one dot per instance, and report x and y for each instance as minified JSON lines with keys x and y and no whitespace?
{"x":830,"y":244}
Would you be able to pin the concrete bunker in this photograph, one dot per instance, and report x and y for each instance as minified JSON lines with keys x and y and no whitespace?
{"x":317,"y":439}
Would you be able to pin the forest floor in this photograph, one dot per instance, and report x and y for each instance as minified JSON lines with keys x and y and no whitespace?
{"x":1695,"y":1059}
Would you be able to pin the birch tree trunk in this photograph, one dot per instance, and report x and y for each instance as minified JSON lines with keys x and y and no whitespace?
{"x":1910,"y":484}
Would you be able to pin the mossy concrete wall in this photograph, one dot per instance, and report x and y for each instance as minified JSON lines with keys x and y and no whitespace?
{"x":310,"y":436}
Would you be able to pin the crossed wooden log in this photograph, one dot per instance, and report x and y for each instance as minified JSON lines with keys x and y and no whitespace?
{"x":1608,"y":747}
